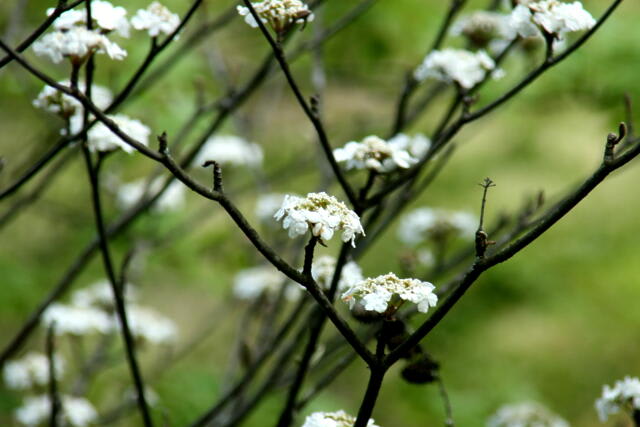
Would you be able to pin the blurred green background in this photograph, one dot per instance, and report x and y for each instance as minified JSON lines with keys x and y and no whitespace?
{"x":552,"y":325}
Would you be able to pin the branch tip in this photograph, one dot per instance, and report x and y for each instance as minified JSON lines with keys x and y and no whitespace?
{"x":217,"y":174}
{"x":163,"y":145}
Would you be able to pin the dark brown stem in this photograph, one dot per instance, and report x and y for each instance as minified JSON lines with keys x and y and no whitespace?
{"x":313,"y":118}
{"x":127,"y":336}
{"x":54,"y":395}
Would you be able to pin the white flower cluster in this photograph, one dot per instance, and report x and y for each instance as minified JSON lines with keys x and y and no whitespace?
{"x":65,"y":106}
{"x":75,"y":320}
{"x":459,"y":66}
{"x":376,"y":293}
{"x":101,"y":138}
{"x":423,"y":223}
{"x":75,"y":411}
{"x":251,"y":283}
{"x":92,"y":311}
{"x":279,"y":14}
{"x":333,"y":419}
{"x":551,"y":16}
{"x":150,"y":326}
{"x":172,"y":199}
{"x":320,"y":213}
{"x":156,"y":19}
{"x":527,"y":414}
{"x":323,"y":268}
{"x":105,"y":18}
{"x":625,"y":395}
{"x":417,"y":145}
{"x":30,"y":371}
{"x":100,"y":295}
{"x":78,"y":44}
{"x":71,"y":39}
{"x":230,"y":150}
{"x":376,"y":154}
{"x":485,"y":29}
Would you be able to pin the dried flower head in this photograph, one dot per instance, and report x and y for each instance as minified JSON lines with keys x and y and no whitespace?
{"x":332,"y":419}
{"x":459,"y":66}
{"x":320,"y":213}
{"x":624,"y":395}
{"x":156,"y":19}
{"x":376,"y":154}
{"x":376,"y":293}
{"x":525,"y":414}
{"x":279,"y":14}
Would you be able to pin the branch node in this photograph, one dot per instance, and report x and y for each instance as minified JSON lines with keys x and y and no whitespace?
{"x":217,"y":174}
{"x":612,"y":141}
{"x":315,"y":104}
{"x":163,"y":145}
{"x":482,"y":238}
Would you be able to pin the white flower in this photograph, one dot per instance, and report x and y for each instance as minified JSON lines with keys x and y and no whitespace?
{"x":417,"y":146}
{"x":101,"y":138}
{"x":457,"y":65}
{"x":149,"y":325}
{"x":251,"y":283}
{"x":76,"y":43}
{"x":375,"y":154}
{"x":32,"y":370}
{"x":422,"y":223}
{"x":376,"y":293}
{"x":230,"y":150}
{"x":267,"y":205}
{"x":280,"y":14}
{"x":625,"y":395}
{"x":172,"y":199}
{"x":552,"y":16}
{"x":104,"y":15}
{"x":483,"y":27}
{"x":75,"y":411}
{"x":77,"y":320}
{"x":155,"y":19}
{"x":332,"y":419}
{"x":56,"y":102}
{"x":323,"y":268}
{"x":320,"y":213}
{"x":527,"y":414}
{"x":100,"y":295}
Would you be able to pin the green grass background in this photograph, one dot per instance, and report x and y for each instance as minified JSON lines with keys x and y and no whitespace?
{"x":551,"y":325}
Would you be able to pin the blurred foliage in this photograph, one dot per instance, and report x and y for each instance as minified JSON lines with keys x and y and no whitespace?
{"x":551,"y":325}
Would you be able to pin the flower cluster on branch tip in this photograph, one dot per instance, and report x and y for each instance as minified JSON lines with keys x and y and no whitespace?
{"x":377,"y":294}
{"x":321,"y":214}
{"x":623,"y":396}
{"x":333,"y":419}
{"x":552,"y":17}
{"x":381,"y":156}
{"x":525,"y":414}
{"x":459,"y":66}
{"x":280,"y":15}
